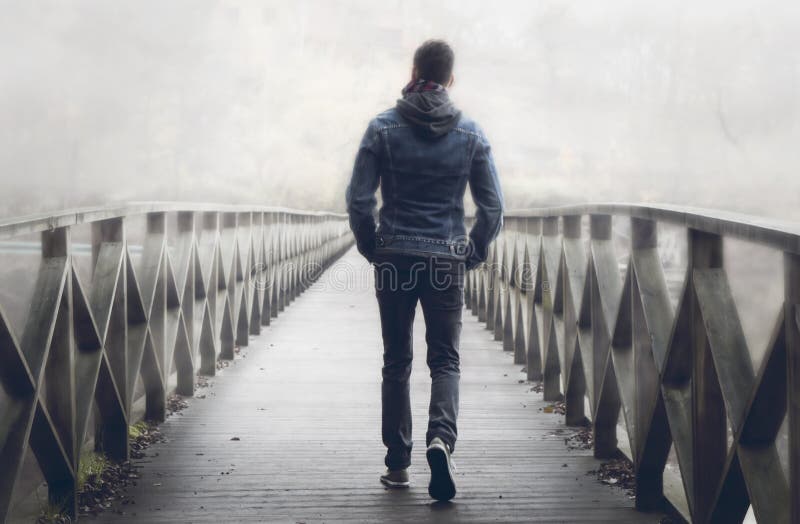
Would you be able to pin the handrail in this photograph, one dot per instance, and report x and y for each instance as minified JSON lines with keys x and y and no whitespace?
{"x":677,"y":377}
{"x":159,"y":311}
{"x":765,"y":231}
{"x":36,"y":223}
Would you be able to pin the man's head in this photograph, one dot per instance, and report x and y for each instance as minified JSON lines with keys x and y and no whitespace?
{"x":433,"y":61}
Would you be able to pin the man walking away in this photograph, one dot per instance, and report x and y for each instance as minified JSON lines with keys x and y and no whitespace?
{"x":423,"y":153}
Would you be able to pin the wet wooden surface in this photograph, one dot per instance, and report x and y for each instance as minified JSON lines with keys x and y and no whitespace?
{"x":303,"y":400}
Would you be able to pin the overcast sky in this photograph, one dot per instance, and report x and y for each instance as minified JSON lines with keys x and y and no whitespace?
{"x":691,"y":102}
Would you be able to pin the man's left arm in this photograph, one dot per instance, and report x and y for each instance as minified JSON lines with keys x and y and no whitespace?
{"x":360,"y":195}
{"x":488,"y":197}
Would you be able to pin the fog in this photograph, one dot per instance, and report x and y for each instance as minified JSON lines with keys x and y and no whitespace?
{"x":264,"y":102}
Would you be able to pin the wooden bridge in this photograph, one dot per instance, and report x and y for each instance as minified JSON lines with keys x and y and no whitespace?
{"x":126,"y":305}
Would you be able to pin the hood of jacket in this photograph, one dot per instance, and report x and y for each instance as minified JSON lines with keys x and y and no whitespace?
{"x":431,"y":113}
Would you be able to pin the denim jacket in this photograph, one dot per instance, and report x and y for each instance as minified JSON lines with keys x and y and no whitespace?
{"x":423,"y":180}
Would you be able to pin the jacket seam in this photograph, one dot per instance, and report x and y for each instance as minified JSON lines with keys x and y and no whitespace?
{"x":467,"y":132}
{"x":391,"y":126}
{"x":390,"y":166}
{"x":409,"y":251}
{"x":459,"y":129}
{"x":422,"y":239}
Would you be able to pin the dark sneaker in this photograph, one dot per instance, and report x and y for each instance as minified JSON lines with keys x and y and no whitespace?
{"x":396,"y":479}
{"x":442,"y":486}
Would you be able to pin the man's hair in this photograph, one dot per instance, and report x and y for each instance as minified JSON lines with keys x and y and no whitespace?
{"x":434,"y":60}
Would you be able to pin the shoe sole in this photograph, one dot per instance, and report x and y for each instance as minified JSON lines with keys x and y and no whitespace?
{"x":395,"y":485}
{"x":442,"y":487}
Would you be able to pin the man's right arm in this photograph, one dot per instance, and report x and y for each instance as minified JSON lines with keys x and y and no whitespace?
{"x":360,"y":195}
{"x":488,"y":197}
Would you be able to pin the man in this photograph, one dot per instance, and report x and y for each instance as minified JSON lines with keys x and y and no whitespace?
{"x":423,"y":153}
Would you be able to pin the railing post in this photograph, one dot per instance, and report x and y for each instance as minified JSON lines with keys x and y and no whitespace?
{"x":491,"y":286}
{"x":792,"y":325}
{"x":225,"y":326}
{"x":288,"y":262}
{"x":574,"y":381}
{"x":185,"y":343}
{"x":606,"y":398}
{"x":509,"y":286}
{"x":296,"y":250}
{"x":154,"y":274}
{"x":268,"y":271}
{"x":708,"y":410}
{"x":206,"y":306}
{"x":501,"y":289}
{"x":274,"y":255}
{"x":481,"y":277}
{"x":533,"y":227}
{"x":311,"y":264}
{"x":240,"y":277}
{"x":55,"y":243}
{"x":283,"y":255}
{"x":651,"y":440}
{"x":572,"y":226}
{"x":105,"y":231}
{"x":469,"y":279}
{"x":574,"y":385}
{"x":551,"y":253}
{"x":256,"y":272}
{"x":520,"y":289}
{"x":59,"y":380}
{"x":317,"y":252}
{"x":305,"y":254}
{"x":109,"y":279}
{"x":291,"y":249}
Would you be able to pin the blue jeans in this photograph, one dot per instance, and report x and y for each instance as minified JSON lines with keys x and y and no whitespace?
{"x":438,"y":284}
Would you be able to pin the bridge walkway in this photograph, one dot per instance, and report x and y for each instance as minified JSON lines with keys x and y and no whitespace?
{"x":290,"y":432}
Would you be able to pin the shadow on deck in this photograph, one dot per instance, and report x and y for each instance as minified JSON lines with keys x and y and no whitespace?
{"x":303,"y":400}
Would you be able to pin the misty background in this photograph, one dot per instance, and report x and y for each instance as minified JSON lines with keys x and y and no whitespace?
{"x":265,"y":102}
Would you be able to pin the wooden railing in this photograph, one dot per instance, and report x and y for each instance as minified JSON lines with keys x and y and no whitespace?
{"x":680,"y":376}
{"x":205,"y":277}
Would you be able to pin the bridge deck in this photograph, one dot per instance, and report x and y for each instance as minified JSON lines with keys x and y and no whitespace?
{"x":304,"y":402}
